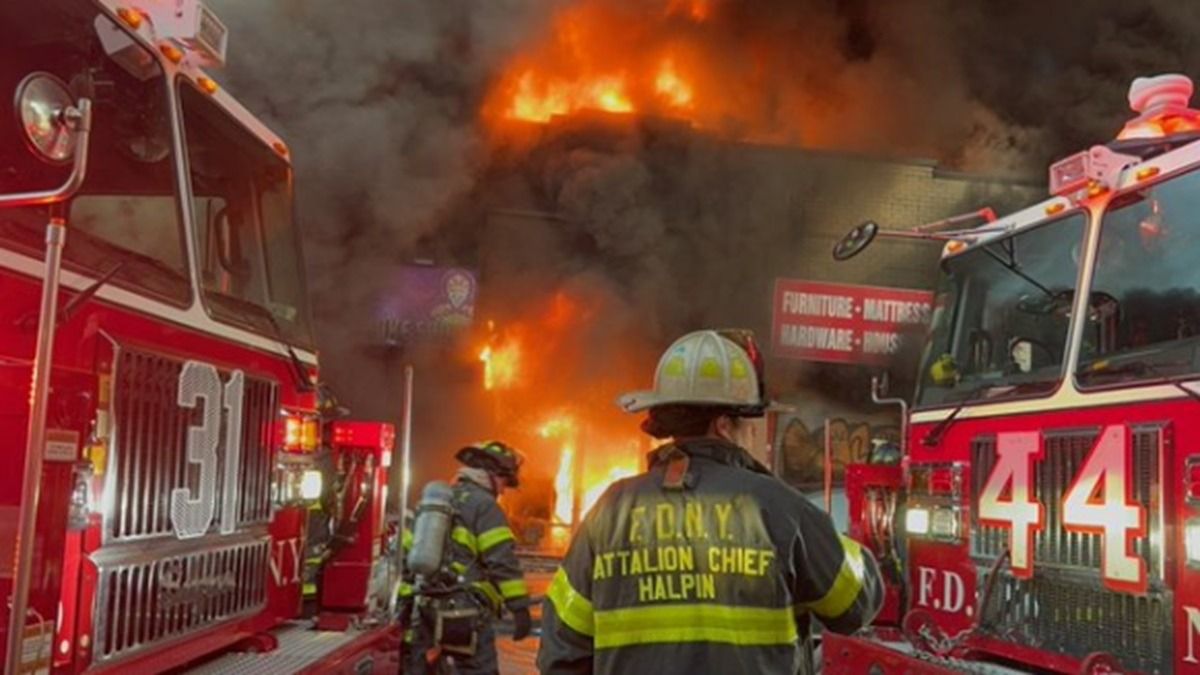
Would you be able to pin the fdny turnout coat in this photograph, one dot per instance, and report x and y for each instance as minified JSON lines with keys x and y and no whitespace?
{"x":484,"y":548}
{"x":482,"y":551}
{"x":704,"y":564}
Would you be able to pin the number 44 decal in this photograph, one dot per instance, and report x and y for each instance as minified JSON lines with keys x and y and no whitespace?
{"x":1096,"y":503}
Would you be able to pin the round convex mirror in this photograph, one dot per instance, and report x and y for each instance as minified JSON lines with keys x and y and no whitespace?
{"x":42,"y":104}
{"x":855,"y":241}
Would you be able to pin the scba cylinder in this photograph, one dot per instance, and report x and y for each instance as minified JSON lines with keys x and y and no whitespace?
{"x":434,"y":515}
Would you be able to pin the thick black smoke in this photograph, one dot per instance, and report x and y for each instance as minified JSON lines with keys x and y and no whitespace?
{"x":381,"y":99}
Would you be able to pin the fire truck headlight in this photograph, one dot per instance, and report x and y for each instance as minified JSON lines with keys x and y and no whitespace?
{"x":311,"y":484}
{"x":916,"y":522}
{"x":1192,"y":542}
{"x":933,"y":522}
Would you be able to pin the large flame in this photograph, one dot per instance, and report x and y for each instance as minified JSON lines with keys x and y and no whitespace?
{"x":587,"y":63}
{"x":553,"y":398}
{"x":562,"y":429}
{"x":500,"y":364}
{"x":835,"y":76}
{"x":614,"y":462}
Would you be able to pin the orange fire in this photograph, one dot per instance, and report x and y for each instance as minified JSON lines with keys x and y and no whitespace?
{"x":783,"y":77}
{"x":672,"y":86}
{"x":589,"y":64}
{"x":563,"y":429}
{"x":537,"y":101}
{"x":611,"y":463}
{"x":500,"y":365}
{"x":550,"y":388}
{"x":696,"y":9}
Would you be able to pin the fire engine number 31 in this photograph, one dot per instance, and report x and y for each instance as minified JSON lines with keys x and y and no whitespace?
{"x":1097,"y":503}
{"x":191,"y":515}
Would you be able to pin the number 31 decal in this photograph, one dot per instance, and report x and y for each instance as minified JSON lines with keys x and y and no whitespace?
{"x":1096,"y":503}
{"x":191,"y":515}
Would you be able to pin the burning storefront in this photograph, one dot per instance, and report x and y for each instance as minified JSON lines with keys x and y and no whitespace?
{"x":598,"y":239}
{"x":616,"y":173}
{"x":551,"y":395}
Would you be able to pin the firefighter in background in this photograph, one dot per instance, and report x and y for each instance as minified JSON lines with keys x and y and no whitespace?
{"x":482,"y":554}
{"x":706,"y":563}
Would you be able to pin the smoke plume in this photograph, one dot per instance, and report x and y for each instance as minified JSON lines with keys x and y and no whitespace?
{"x":397,"y":110}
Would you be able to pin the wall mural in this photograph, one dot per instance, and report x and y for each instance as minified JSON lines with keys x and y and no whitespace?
{"x":802,"y":446}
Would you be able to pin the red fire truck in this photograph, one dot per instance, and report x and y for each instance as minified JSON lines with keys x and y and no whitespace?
{"x":1051,"y":481}
{"x":158,"y":382}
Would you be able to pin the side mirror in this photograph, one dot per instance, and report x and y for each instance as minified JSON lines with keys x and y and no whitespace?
{"x":48,"y":116}
{"x":855,"y":241}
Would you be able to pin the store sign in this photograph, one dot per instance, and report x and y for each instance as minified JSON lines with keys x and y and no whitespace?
{"x":425,"y":301}
{"x":844,"y":323}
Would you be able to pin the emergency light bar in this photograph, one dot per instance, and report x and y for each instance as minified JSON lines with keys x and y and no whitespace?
{"x":193,"y":26}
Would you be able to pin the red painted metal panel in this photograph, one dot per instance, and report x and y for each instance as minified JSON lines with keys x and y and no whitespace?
{"x":82,"y":352}
{"x":1179,"y":420}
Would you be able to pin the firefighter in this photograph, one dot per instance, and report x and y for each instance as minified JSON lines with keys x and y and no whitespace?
{"x":482,"y":553}
{"x":705,"y":563}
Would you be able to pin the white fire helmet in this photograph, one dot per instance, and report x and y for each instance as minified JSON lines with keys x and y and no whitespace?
{"x":708,"y":367}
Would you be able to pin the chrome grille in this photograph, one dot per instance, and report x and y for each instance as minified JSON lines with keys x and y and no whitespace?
{"x":1064,"y":607}
{"x":1054,"y":612}
{"x":1054,"y":546}
{"x":153,"y":588}
{"x":148,"y":597}
{"x":148,"y":448}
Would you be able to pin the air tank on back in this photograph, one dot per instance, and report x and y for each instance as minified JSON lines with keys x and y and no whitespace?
{"x":434,"y":515}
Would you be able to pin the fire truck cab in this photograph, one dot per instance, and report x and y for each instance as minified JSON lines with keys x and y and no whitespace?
{"x":160,"y":517}
{"x":1051,"y":480}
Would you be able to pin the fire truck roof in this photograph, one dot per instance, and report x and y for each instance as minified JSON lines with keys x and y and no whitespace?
{"x":188,"y":37}
{"x":1162,"y":139}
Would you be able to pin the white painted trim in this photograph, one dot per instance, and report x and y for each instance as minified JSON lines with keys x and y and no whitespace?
{"x":1179,"y":159}
{"x":193,"y":317}
{"x":1066,"y":398}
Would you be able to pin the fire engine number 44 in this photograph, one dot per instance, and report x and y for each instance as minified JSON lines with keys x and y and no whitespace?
{"x":1097,"y":503}
{"x":191,"y":515}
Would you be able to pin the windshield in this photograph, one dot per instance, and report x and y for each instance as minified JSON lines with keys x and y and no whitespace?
{"x":126,"y":215}
{"x":1001,"y":316}
{"x":246,"y":239}
{"x":1145,"y":317}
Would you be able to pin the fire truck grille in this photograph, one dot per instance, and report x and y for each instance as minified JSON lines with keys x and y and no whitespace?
{"x":1064,"y":607}
{"x":149,"y":448}
{"x":145,"y":602}
{"x":1054,"y":546}
{"x":1056,"y":614}
{"x":154,"y":587}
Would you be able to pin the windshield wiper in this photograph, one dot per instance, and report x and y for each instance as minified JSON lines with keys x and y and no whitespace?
{"x":1136,"y":368}
{"x":1011,"y":265}
{"x":934,"y":436}
{"x":68,"y":310}
{"x":299,"y":372}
